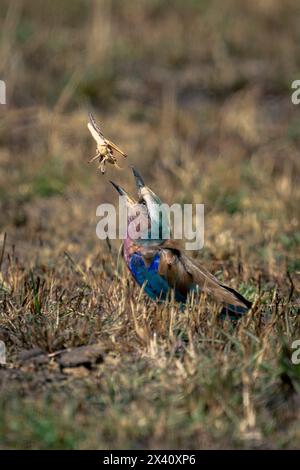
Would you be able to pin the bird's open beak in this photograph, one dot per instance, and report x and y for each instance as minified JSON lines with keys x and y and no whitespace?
{"x":122,"y":192}
{"x":138,"y":180}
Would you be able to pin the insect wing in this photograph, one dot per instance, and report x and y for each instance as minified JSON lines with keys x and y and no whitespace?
{"x":95,"y":125}
{"x":98,"y":137}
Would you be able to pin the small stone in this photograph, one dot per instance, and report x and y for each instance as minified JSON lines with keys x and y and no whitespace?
{"x":86,"y":356}
{"x":4,"y":334}
{"x":40,"y":360}
{"x":28,"y":354}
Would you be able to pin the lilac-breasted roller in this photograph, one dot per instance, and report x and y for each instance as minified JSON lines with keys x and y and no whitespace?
{"x":160,"y":266}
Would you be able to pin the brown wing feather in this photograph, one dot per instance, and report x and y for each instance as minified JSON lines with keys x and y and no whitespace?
{"x":182,"y":272}
{"x":173,"y":270}
{"x":206,"y":281}
{"x":210,"y":284}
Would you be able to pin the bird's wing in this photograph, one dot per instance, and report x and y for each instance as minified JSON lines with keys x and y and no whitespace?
{"x":172,"y":269}
{"x":180,"y":269}
{"x":209,"y":283}
{"x":182,"y":272}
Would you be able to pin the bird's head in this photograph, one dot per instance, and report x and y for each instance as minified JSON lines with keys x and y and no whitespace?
{"x":157,"y":211}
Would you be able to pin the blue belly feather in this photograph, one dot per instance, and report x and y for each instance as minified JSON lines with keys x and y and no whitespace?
{"x":155,"y":285}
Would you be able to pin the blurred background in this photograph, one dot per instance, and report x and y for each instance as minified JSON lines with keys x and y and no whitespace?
{"x":198,"y":94}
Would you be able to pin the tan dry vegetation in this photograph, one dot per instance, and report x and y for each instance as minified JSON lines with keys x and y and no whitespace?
{"x":198,"y":95}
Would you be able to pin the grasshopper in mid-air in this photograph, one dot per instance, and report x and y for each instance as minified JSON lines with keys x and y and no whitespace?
{"x":105,"y":148}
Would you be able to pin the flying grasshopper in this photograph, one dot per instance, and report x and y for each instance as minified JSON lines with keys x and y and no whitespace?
{"x":105,"y":148}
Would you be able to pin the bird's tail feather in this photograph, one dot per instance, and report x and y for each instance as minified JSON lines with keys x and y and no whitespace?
{"x":234,"y":312}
